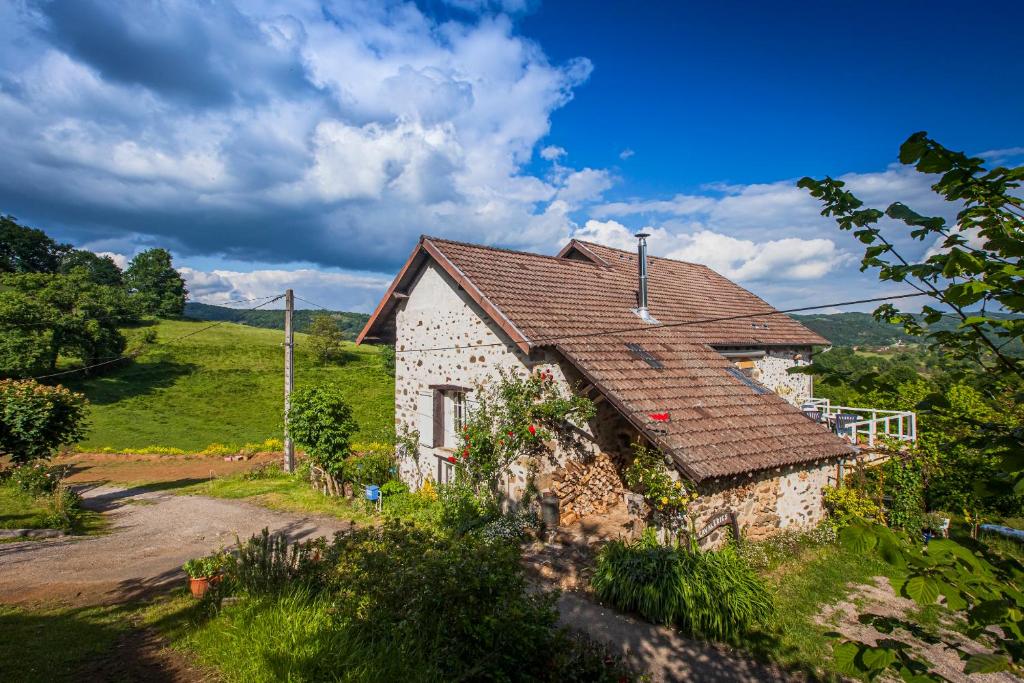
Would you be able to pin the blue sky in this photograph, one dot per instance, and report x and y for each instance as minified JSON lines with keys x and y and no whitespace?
{"x":308,"y":144}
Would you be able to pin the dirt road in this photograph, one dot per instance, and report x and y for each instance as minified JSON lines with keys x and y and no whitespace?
{"x":150,"y":535}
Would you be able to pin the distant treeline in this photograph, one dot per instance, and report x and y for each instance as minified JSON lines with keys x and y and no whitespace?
{"x":861,"y":329}
{"x":349,"y":323}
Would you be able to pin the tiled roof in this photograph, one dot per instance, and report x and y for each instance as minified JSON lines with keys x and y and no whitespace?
{"x":580,"y":303}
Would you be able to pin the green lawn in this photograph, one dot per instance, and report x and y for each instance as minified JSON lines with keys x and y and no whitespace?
{"x":20,"y":510}
{"x":223,"y":385}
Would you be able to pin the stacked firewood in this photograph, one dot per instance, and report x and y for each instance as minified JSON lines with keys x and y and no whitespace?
{"x":587,"y":489}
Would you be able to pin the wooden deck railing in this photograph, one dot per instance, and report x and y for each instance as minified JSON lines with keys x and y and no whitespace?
{"x":865,"y":426}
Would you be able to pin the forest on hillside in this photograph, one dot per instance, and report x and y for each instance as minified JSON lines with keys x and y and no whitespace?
{"x":349,"y":323}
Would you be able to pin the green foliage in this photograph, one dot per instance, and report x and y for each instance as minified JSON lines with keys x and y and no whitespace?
{"x":387,"y":358}
{"x":846,"y":504}
{"x":267,"y":564}
{"x":984,"y":588}
{"x":99,"y":269}
{"x":35,"y":478}
{"x":158,"y":288}
{"x":321,"y":421}
{"x":648,"y":475}
{"x":36,"y":419}
{"x":214,"y":564}
{"x":972,"y":270}
{"x":394,"y":487}
{"x":463,"y":509}
{"x":27,"y":250}
{"x":373,"y":467}
{"x":904,"y":484}
{"x":43,"y":316}
{"x":785,"y":545}
{"x":712,"y":594}
{"x":513,"y":527}
{"x":325,"y":338}
{"x":512,"y":419}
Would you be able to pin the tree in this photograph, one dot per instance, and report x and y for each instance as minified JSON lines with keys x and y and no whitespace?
{"x":156,"y":285}
{"x":101,"y":269}
{"x":36,"y":419}
{"x":27,"y":250}
{"x":43,"y":316}
{"x":320,"y":420}
{"x":325,"y":338}
{"x":972,"y":271}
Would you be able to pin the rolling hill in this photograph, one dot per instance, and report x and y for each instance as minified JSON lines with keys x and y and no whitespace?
{"x":350,"y":323}
{"x":223,"y":385}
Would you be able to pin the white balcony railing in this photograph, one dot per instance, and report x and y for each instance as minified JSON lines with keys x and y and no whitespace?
{"x":864,"y":426}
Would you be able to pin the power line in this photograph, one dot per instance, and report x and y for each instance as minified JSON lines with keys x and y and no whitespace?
{"x":656,"y":326}
{"x":140,"y":351}
{"x":307,"y":301}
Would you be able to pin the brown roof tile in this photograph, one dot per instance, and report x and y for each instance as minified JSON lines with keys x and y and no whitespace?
{"x":719,"y":426}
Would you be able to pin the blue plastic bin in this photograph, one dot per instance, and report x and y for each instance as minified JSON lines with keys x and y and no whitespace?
{"x":372,"y":493}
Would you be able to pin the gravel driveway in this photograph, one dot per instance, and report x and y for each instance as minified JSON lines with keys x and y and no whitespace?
{"x":151,"y":534}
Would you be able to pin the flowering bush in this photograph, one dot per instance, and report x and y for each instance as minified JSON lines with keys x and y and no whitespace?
{"x":846,"y":504}
{"x":512,"y":419}
{"x":36,"y":478}
{"x":648,"y":476}
{"x":36,"y":419}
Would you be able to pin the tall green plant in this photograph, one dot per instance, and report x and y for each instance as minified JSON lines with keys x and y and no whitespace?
{"x":712,"y":594}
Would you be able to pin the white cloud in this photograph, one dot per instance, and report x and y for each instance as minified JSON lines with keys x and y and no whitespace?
{"x":626,"y":153}
{"x":334,"y":290}
{"x":120,"y":259}
{"x":552,"y":152}
{"x":584,"y":185}
{"x":737,"y":259}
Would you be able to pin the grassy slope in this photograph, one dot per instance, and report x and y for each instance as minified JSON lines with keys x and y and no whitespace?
{"x":223,"y":385}
{"x":19,"y":510}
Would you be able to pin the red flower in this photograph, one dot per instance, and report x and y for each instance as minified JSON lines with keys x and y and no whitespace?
{"x":511,"y":433}
{"x":465,"y":453}
{"x":451,"y":458}
{"x":659,"y":417}
{"x":533,"y":430}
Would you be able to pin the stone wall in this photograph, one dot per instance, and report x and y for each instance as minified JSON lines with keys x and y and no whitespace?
{"x":771,"y":371}
{"x":767,"y":501}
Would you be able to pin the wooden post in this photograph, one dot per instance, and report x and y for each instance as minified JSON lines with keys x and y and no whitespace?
{"x":289,"y":377}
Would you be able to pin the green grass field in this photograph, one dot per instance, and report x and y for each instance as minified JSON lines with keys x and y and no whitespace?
{"x":223,"y":385}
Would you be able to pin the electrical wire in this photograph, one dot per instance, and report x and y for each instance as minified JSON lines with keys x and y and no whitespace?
{"x":165,"y":343}
{"x":644,"y":328}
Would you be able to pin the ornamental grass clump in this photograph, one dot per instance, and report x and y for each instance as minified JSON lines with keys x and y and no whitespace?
{"x":711,"y":594}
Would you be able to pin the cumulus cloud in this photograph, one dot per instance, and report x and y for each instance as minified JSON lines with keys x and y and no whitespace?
{"x":626,"y":153}
{"x":737,"y":259}
{"x":302,"y":131}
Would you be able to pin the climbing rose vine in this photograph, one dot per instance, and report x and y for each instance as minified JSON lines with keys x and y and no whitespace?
{"x":516,"y":418}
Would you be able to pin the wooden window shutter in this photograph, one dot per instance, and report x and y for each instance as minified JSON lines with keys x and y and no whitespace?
{"x":438,"y":418}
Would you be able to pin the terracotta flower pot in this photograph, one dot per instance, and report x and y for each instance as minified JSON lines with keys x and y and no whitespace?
{"x":201,"y":584}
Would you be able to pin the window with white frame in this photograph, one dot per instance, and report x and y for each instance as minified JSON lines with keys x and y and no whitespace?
{"x":458,"y":399}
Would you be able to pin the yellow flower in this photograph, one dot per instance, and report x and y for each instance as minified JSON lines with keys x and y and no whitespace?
{"x":664,"y":500}
{"x":679,"y":484}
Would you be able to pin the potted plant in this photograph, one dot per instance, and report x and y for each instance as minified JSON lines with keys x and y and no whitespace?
{"x":204,"y":572}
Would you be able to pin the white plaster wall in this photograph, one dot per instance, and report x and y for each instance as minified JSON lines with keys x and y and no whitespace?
{"x":771,"y":371}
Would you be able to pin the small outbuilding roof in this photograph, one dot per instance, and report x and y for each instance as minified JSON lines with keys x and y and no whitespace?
{"x":580,"y":303}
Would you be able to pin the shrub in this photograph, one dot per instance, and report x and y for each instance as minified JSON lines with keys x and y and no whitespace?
{"x":463,"y":509}
{"x":456,"y":607}
{"x":847,"y":504}
{"x":712,"y":594}
{"x":512,"y":527}
{"x":37,"y":478}
{"x":905,"y":488}
{"x":418,"y":506}
{"x":267,"y":564}
{"x":321,"y":422}
{"x":36,"y":419}
{"x":373,"y":467}
{"x":394,"y":487}
{"x":208,"y":565}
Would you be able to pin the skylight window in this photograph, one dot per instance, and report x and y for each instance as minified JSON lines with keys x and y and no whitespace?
{"x":640,"y":353}
{"x":756,"y":386}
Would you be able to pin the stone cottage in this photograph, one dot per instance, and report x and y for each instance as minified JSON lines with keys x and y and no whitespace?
{"x":674,"y":355}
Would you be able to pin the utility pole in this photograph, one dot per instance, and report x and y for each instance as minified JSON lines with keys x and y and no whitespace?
{"x":289,"y":377}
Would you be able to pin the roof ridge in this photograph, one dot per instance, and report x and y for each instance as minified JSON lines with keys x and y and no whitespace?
{"x":649,"y":255}
{"x":506,"y":250}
